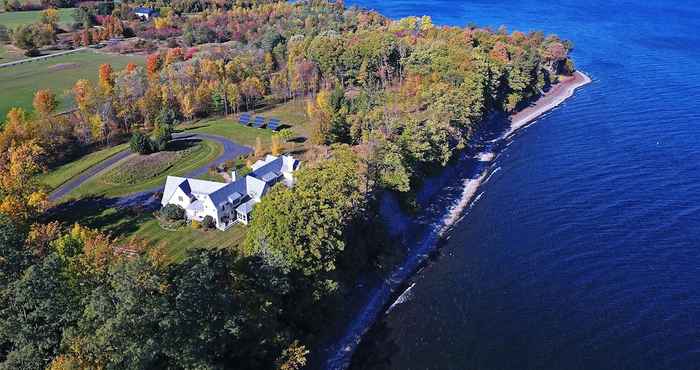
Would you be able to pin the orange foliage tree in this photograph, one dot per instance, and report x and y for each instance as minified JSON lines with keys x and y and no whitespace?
{"x":106,"y":79}
{"x":44,"y":102}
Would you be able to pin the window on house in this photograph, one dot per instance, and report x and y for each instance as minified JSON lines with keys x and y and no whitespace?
{"x":179,"y":198}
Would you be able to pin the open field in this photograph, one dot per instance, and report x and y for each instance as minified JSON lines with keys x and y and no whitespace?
{"x":230,"y":129}
{"x":104,"y":185}
{"x":59,"y":175}
{"x":14,"y":19}
{"x":19,"y":83}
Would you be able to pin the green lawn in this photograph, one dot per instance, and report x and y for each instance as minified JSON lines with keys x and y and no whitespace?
{"x":14,"y":19}
{"x":99,"y":186}
{"x":229,"y":128}
{"x":125,"y":224}
{"x":19,"y":83}
{"x":177,"y":242}
{"x":292,"y":113}
{"x":59,"y":175}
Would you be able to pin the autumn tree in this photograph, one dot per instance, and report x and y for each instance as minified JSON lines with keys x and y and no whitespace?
{"x":44,"y":102}
{"x":106,"y":79}
{"x":276,"y":145}
{"x":153,"y":64}
{"x":21,"y":196}
{"x":259,"y":150}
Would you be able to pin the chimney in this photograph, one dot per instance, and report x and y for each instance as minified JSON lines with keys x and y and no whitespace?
{"x":233,"y":175}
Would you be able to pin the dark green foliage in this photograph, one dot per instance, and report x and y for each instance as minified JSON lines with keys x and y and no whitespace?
{"x":140,"y":143}
{"x":208,"y":222}
{"x":85,"y":16}
{"x":167,"y":116}
{"x":161,"y":137}
{"x":4,"y":34}
{"x":172,"y":212}
{"x":31,"y":37}
{"x":124,"y":323}
{"x":14,"y":257}
{"x":34,"y":310}
{"x":302,"y":228}
{"x":210,"y":311}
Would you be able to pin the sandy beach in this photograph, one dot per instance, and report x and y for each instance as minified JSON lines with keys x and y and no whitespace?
{"x":555,"y":96}
{"x":339,"y":356}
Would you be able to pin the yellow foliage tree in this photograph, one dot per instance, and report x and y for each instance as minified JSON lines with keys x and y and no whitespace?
{"x":276,"y":147}
{"x":259,"y":150}
{"x":21,"y":195}
{"x":320,"y":116}
{"x":161,"y":22}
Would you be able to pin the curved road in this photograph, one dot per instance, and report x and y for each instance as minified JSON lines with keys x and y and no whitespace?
{"x":231,"y":151}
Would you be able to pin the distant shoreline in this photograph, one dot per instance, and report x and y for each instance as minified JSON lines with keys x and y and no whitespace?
{"x":340,"y":355}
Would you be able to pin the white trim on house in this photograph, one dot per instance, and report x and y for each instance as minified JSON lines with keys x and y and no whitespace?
{"x":229,"y":203}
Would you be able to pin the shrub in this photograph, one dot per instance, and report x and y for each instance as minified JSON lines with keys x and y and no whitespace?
{"x":196,"y":224}
{"x":208,"y":222}
{"x":172,"y":212}
{"x":140,"y":143}
{"x":161,"y":137}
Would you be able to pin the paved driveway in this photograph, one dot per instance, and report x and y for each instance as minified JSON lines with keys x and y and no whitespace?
{"x":231,"y":151}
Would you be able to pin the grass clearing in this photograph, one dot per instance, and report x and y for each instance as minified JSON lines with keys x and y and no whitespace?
{"x":143,"y":168}
{"x":229,"y":128}
{"x":19,"y":83}
{"x":126,"y":223}
{"x":292,"y":113}
{"x":176,"y":243}
{"x":100,"y":185}
{"x":13,"y":20}
{"x":62,"y":174}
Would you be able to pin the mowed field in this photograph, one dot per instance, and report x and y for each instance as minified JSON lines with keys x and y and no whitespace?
{"x":19,"y":83}
{"x":13,"y":19}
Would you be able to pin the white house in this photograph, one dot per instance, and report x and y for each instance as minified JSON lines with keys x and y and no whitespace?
{"x":145,"y":13}
{"x":228,"y":203}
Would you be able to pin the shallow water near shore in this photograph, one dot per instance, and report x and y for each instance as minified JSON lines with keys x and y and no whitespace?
{"x":581,"y":249}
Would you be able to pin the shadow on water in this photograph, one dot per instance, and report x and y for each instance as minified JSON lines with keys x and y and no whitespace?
{"x":368,"y":358}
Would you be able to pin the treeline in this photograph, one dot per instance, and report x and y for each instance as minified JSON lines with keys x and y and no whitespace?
{"x":69,"y":300}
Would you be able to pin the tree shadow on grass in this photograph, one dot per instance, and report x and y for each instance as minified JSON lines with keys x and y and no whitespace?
{"x":98,"y":212}
{"x":178,"y":144}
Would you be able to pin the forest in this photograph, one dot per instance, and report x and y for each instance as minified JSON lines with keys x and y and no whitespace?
{"x":388,"y":102}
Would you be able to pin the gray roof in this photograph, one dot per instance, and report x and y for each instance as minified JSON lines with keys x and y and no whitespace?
{"x":189,"y":186}
{"x":246,"y":207}
{"x":274,"y":164}
{"x":255,"y":184}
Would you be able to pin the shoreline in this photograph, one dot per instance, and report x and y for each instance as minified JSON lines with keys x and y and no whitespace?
{"x":339,"y":356}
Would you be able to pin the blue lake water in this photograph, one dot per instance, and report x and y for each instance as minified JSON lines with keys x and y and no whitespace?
{"x":583,"y":252}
